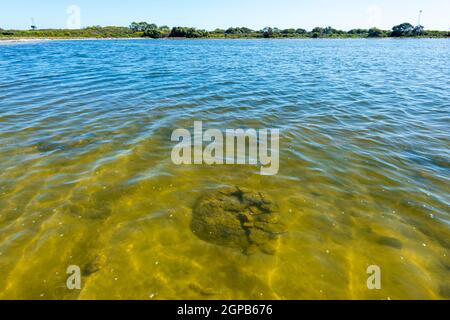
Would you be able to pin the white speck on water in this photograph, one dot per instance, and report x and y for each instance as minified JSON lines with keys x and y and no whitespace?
{"x":115,"y":279}
{"x":156,"y":262}
{"x":424,"y":244}
{"x":152,"y":295}
{"x":61,"y":235}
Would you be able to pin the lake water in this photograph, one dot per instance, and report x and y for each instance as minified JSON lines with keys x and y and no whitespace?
{"x":86,"y":176}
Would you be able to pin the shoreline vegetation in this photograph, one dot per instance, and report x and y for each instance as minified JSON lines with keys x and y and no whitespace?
{"x":149,"y":30}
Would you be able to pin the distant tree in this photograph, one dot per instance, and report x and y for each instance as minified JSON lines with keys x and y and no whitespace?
{"x":317,"y":30}
{"x":142,"y":26}
{"x":403,"y":30}
{"x":232,"y":31}
{"x":288,"y":31}
{"x":419,"y":30}
{"x":242,"y":30}
{"x":247,"y":30}
{"x":268,"y":32}
{"x":329,"y":30}
{"x":358,"y":31}
{"x":177,"y":32}
{"x":375,"y":33}
{"x":184,"y":32}
{"x":301,"y":31}
{"x":152,"y":33}
{"x":136,"y":26}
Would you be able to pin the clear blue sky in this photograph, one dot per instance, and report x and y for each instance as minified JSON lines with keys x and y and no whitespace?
{"x":209,"y":14}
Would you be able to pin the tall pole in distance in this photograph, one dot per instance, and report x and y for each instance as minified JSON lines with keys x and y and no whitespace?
{"x":33,"y":25}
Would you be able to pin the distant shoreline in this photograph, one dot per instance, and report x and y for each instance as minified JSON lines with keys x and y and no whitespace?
{"x":46,"y":39}
{"x":138,"y":30}
{"x":25,"y":40}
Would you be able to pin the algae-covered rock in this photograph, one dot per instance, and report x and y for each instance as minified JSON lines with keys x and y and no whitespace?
{"x":238,"y":218}
{"x":50,"y":146}
{"x":202,"y":290}
{"x":93,"y":265}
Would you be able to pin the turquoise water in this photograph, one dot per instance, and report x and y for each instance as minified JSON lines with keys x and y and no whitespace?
{"x":86,"y":176}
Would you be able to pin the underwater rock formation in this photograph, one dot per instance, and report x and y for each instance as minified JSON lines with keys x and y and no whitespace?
{"x":238,"y":218}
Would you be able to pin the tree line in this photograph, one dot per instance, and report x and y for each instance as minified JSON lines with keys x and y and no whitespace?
{"x":151,"y":30}
{"x":402,"y":30}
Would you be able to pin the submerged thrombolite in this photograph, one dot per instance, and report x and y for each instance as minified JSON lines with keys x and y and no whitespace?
{"x":238,"y":218}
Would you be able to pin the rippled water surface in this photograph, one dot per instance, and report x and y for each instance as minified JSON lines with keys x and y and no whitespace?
{"x":86,"y":176}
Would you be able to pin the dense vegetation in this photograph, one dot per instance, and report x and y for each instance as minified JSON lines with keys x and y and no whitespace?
{"x":147,"y":30}
{"x":89,"y":32}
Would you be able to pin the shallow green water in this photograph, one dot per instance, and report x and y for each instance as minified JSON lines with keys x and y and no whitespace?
{"x":86,"y":176}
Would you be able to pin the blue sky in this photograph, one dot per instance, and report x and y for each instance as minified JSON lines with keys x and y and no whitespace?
{"x":209,"y":14}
